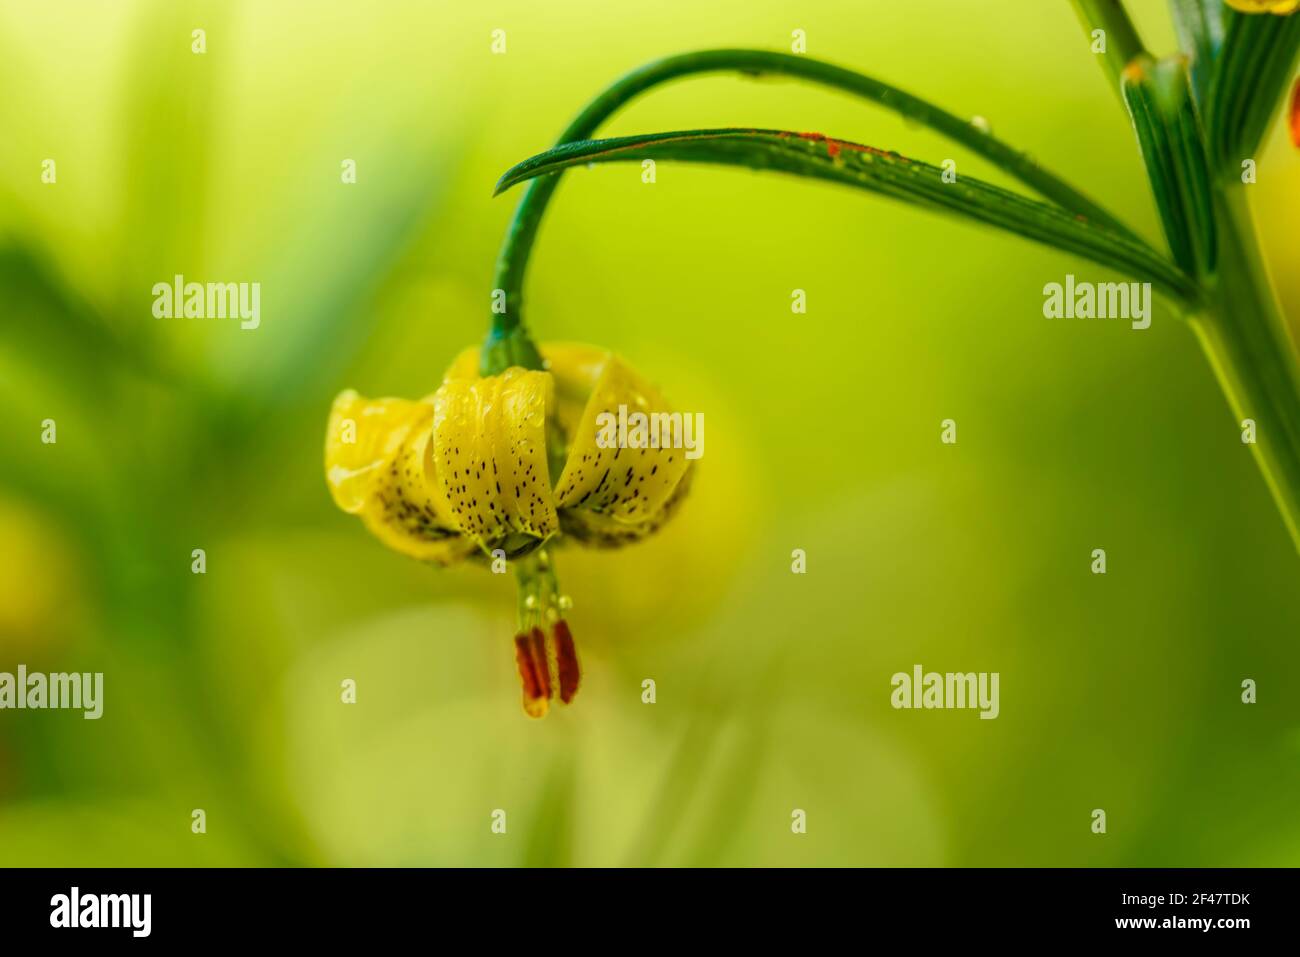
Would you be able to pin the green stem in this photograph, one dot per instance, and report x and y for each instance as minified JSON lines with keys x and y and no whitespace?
{"x":1244,"y":335}
{"x":508,"y":342}
{"x":1199,"y":25}
{"x":1123,"y":45}
{"x":540,"y":600}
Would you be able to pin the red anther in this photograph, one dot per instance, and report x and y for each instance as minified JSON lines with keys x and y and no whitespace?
{"x":566,"y":659}
{"x":537,"y":645}
{"x":535,"y":691}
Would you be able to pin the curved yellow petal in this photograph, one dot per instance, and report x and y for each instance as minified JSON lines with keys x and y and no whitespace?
{"x":604,"y":531}
{"x":489,"y":439}
{"x":362,"y":435}
{"x":622,"y":461}
{"x":605,"y":495}
{"x":575,"y":368}
{"x":1265,"y":6}
{"x":464,"y":366}
{"x":378,"y":465}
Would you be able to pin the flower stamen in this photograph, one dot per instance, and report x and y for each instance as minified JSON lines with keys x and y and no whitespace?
{"x":535,"y":692}
{"x":566,"y":661}
{"x":544,"y":647}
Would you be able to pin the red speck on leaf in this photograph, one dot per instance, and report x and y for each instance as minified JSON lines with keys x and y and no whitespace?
{"x":834,"y":147}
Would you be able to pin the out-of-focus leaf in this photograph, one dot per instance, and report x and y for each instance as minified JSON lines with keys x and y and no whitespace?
{"x":317,"y":287}
{"x":46,"y":318}
{"x":1199,"y":24}
{"x":550,"y":837}
{"x":145,"y":833}
{"x":170,"y":146}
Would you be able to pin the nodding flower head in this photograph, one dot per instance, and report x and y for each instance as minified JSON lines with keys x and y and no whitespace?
{"x":1280,"y":7}
{"x":500,"y":469}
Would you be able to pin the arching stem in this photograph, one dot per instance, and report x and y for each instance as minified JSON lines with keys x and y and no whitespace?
{"x":508,"y":342}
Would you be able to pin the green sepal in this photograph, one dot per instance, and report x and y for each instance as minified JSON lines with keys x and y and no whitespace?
{"x":1250,"y":81}
{"x":501,"y":350}
{"x":1163,"y":109}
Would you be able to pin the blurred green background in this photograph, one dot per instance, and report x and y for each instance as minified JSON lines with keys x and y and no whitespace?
{"x":222,"y":690}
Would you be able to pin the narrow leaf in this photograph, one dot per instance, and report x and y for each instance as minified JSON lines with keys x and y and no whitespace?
{"x":853,"y":164}
{"x":1160,"y":102}
{"x":764,"y":63}
{"x":1249,"y":84}
{"x":513,"y":260}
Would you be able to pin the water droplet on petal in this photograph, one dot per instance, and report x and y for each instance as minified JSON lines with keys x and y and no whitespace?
{"x":981,"y":124}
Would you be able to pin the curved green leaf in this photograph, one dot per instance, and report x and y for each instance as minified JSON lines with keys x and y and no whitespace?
{"x":508,"y":345}
{"x":1249,"y":82}
{"x":853,"y":164}
{"x":762,"y":63}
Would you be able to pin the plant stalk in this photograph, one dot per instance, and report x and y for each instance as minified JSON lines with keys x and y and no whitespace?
{"x":1123,"y":45}
{"x":1244,"y":335}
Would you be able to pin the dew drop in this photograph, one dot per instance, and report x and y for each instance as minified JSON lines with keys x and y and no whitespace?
{"x":981,"y":124}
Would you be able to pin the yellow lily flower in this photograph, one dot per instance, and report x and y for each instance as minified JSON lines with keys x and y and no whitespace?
{"x":465,"y":473}
{"x":1280,"y":7}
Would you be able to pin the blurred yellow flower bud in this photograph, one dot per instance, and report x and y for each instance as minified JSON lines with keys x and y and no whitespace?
{"x":1265,"y":6}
